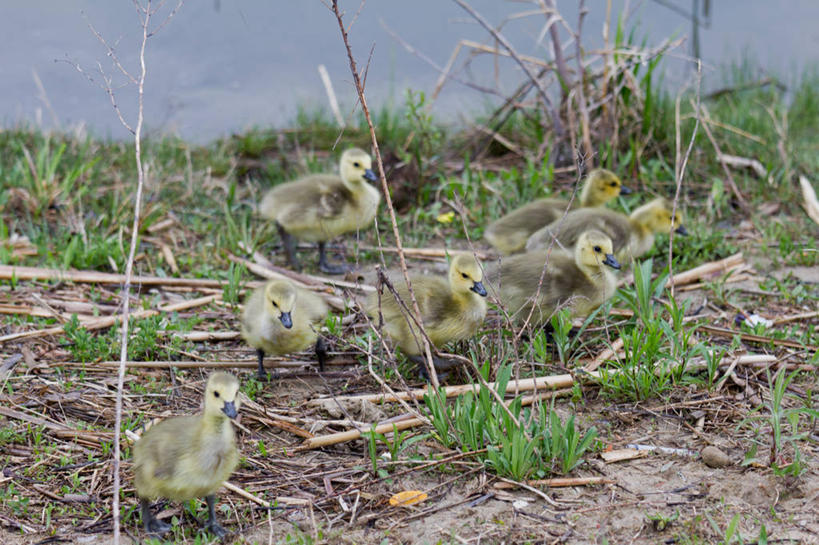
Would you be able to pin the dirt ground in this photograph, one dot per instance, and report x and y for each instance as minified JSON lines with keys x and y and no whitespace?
{"x":56,"y":468}
{"x":466,"y":506}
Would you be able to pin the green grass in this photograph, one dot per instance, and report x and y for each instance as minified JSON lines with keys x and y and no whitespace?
{"x":519,"y":442}
{"x":150,"y":339}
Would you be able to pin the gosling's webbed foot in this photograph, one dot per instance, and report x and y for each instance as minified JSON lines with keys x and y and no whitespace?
{"x":156,"y":526}
{"x":327,"y":267}
{"x":216,"y":529}
{"x":212,"y":526}
{"x":441,"y":367}
{"x":152,"y":524}
{"x":333,"y":268}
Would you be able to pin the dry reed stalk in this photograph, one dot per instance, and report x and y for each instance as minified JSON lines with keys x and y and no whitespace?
{"x":7,"y":272}
{"x":331,"y":95}
{"x":560,"y":482}
{"x":604,"y":355}
{"x":552,"y":382}
{"x":204,"y":364}
{"x":707,"y":270}
{"x":281,"y":500}
{"x":425,"y":252}
{"x":731,"y":333}
{"x":108,"y":321}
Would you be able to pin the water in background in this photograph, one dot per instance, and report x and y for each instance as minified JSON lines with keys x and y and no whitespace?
{"x":221,"y":66}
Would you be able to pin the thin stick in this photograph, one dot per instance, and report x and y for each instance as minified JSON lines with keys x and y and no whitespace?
{"x":284,"y":500}
{"x":388,"y":199}
{"x":680,"y":166}
{"x":557,"y":482}
{"x":351,"y":435}
{"x":129,"y":267}
{"x":220,"y":364}
{"x":523,"y":385}
{"x":556,"y":122}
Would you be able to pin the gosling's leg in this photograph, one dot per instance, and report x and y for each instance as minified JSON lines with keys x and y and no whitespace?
{"x":321,"y":353}
{"x":329,"y":268}
{"x":260,"y":373}
{"x":152,"y":524}
{"x":212,"y":526}
{"x":289,"y":244}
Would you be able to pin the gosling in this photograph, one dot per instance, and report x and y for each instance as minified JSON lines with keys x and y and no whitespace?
{"x":280,"y":319}
{"x":451,"y":310}
{"x":583,"y":280}
{"x":631,"y":236}
{"x":509,"y":233}
{"x":189,"y":457}
{"x":319,"y":207}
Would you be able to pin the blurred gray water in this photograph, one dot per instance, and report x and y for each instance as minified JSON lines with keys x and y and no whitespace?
{"x":221,"y":66}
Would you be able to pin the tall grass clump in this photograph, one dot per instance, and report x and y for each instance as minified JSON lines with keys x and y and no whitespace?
{"x":515,"y":442}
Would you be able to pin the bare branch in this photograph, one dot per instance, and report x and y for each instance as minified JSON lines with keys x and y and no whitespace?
{"x":681,"y":165}
{"x":382,"y":177}
{"x":168,"y":18}
{"x":111,"y":53}
{"x":501,"y":39}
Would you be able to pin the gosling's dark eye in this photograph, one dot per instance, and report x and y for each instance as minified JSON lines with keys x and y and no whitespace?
{"x":465,"y":275}
{"x":274,"y":304}
{"x":357,"y":165}
{"x":597,"y":249}
{"x":613,"y":184}
{"x":215,"y":393}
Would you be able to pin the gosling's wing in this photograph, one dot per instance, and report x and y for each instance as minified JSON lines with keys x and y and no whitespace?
{"x":312,"y":305}
{"x":509,"y":233}
{"x":303,"y":202}
{"x":334,"y":198}
{"x":165,"y":445}
{"x":424,"y":288}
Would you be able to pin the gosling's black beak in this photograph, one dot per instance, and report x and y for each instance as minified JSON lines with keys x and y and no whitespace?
{"x":611,"y":262}
{"x":478,"y":288}
{"x":370,"y":175}
{"x":230,"y":409}
{"x":287,"y":320}
{"x":681,"y":230}
{"x":625,"y":190}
